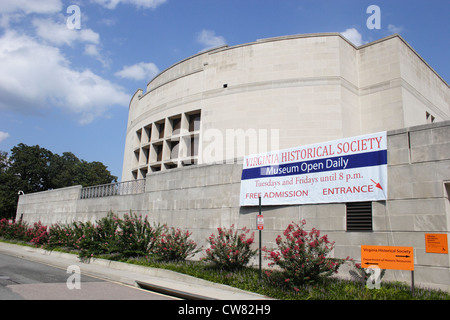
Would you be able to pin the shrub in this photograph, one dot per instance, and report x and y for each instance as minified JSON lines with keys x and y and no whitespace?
{"x":137,"y":236}
{"x":302,"y":255}
{"x":83,"y":234}
{"x":132,"y":236}
{"x":107,"y":235}
{"x":15,"y":230}
{"x":4,"y":227}
{"x":175,"y":245}
{"x":37,"y":234}
{"x":60,"y":236}
{"x":229,"y":249}
{"x":20,"y":231}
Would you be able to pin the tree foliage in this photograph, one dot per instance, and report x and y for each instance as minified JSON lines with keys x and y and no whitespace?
{"x":33,"y":169}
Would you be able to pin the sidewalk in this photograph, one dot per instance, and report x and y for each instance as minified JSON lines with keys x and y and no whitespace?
{"x":163,"y":281}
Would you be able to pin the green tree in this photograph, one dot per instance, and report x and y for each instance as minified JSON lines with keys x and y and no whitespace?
{"x":67,"y":170}
{"x":8,"y":188}
{"x":63,"y":170}
{"x":93,"y":173}
{"x":31,"y":164}
{"x":33,"y":168}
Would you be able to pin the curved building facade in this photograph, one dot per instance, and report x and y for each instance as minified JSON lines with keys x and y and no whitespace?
{"x":222,"y":104}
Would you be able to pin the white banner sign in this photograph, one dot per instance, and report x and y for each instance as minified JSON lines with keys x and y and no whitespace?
{"x":345,"y":170}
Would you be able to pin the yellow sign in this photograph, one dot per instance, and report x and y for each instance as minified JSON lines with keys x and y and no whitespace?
{"x":436,"y":243}
{"x":387,"y":257}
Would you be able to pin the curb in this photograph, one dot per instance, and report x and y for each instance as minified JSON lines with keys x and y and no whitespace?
{"x":159,"y":280}
{"x":171,"y":292}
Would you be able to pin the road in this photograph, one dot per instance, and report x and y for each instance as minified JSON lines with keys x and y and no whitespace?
{"x":22,"y":279}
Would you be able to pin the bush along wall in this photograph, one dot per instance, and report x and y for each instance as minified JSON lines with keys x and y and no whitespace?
{"x":302,"y":256}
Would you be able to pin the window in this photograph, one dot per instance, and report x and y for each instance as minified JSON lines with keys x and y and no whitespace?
{"x":155,"y":168}
{"x":137,"y":139}
{"x":174,"y":147}
{"x":170,"y":166}
{"x":192,"y":146}
{"x":148,"y":133}
{"x":194,"y":122}
{"x":359,"y":216}
{"x":158,"y":152}
{"x":160,"y":127}
{"x":136,"y":158}
{"x":143,"y":172}
{"x":138,"y":136}
{"x":167,"y":144}
{"x":176,"y":125}
{"x":145,"y":154}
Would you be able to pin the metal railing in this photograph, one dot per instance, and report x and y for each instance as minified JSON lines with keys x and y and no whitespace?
{"x":113,"y":189}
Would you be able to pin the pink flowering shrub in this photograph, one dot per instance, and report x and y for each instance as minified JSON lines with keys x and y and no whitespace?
{"x":5,"y":228}
{"x":138,"y":237}
{"x":84,"y":239}
{"x":175,"y":245}
{"x":61,"y":236}
{"x":37,"y":234}
{"x":13,"y":230}
{"x":230,"y":249}
{"x":106,"y":235}
{"x":87,"y":238}
{"x":302,"y":255}
{"x":131,"y":236}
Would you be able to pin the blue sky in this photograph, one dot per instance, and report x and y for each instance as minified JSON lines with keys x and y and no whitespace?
{"x":68,"y":89}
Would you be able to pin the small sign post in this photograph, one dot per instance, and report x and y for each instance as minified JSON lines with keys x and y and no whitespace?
{"x":260,"y":224}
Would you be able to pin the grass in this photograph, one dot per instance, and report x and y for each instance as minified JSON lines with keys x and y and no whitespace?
{"x":274,"y":286}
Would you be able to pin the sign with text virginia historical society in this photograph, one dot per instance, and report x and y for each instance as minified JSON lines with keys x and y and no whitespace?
{"x":345,"y":170}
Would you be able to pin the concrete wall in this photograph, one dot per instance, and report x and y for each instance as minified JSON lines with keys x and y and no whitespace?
{"x":204,"y":197}
{"x":49,"y":206}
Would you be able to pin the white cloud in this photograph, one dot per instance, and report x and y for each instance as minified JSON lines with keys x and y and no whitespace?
{"x":145,"y":4}
{"x":353,"y":36}
{"x":394,"y":29}
{"x":209,"y":39}
{"x":139,"y":71}
{"x":59,"y":34}
{"x":35,"y":76}
{"x":91,"y":50}
{"x":15,"y":11}
{"x":3,"y":135}
{"x":30,"y":6}
{"x":108,"y":22}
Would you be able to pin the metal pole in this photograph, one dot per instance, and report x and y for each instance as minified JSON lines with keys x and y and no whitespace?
{"x":412,"y":282}
{"x":260,"y":271}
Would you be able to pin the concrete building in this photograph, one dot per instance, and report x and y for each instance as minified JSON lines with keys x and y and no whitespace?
{"x":278,"y":93}
{"x":184,"y":146}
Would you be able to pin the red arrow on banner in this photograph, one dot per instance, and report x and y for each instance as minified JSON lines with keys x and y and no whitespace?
{"x":378,"y":185}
